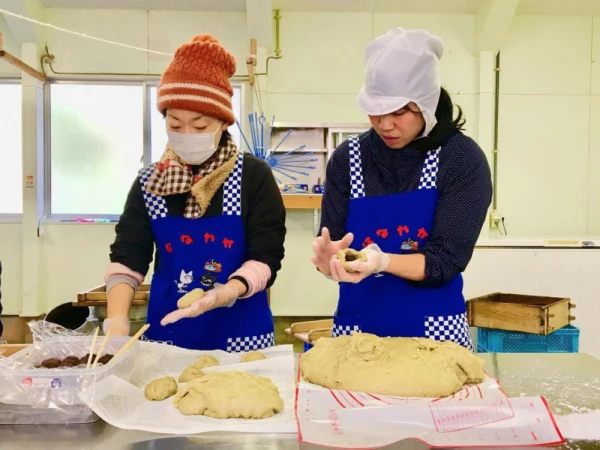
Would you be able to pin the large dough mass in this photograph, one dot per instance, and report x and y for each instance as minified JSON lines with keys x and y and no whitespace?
{"x":404,"y":367}
{"x":230,"y":394}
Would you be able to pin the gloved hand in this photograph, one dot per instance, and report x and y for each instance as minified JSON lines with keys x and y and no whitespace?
{"x":324,"y":249}
{"x":220,"y":295}
{"x":118,"y":325}
{"x":377,"y":261}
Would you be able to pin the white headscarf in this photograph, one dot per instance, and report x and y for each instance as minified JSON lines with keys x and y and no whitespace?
{"x":402,"y":66}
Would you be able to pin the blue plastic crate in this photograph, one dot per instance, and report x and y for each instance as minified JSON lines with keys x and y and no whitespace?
{"x":564,"y":340}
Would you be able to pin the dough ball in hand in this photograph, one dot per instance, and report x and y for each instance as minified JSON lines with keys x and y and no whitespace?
{"x":160,"y":389}
{"x":189,"y":298}
{"x":230,"y":394}
{"x":348,"y":255}
{"x":190,"y":373}
{"x":253,"y":356}
{"x":205,"y":361}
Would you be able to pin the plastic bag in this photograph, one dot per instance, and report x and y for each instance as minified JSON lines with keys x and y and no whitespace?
{"x":51,"y":373}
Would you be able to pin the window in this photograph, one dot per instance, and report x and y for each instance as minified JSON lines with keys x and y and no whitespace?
{"x":158,"y":134}
{"x":11,"y":151}
{"x":96,"y":146}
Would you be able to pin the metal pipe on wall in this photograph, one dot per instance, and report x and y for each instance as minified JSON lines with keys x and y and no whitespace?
{"x":495,"y":150}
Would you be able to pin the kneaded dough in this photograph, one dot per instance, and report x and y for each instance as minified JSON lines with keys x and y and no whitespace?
{"x":205,"y":361}
{"x":404,"y":367}
{"x":160,"y":389}
{"x":230,"y":394}
{"x":253,"y":356}
{"x":348,"y":255}
{"x":190,"y":373}
{"x":190,"y":298}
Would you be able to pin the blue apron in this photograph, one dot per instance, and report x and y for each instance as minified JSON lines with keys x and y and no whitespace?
{"x":197,"y":253}
{"x":384,"y":304}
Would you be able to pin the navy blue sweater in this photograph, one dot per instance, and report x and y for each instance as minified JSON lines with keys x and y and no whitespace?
{"x":463,"y":182}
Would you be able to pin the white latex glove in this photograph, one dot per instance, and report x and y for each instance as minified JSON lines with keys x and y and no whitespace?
{"x":118,"y":325}
{"x":377,"y":261}
{"x":324,"y":249}
{"x":219,"y":296}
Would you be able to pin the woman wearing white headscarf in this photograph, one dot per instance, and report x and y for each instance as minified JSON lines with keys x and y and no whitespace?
{"x":413,"y":192}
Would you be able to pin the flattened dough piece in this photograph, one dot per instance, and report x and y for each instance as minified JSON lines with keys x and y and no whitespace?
{"x":253,"y":356}
{"x":404,"y":367}
{"x":190,"y":298}
{"x":205,"y":361}
{"x":190,"y":373}
{"x":230,"y":394}
{"x":160,"y":389}
{"x":348,"y":255}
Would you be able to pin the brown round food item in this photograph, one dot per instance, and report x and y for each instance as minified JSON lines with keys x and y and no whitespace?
{"x":348,"y":255}
{"x":104,"y":359}
{"x":84,"y":359}
{"x":70,"y":361}
{"x":51,"y":363}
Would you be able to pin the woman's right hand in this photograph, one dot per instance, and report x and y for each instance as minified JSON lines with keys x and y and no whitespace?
{"x":324,"y":249}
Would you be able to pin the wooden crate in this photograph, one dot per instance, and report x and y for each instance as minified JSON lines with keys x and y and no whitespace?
{"x":97,"y":296}
{"x":516,"y":312}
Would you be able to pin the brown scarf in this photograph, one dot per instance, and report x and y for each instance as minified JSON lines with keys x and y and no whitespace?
{"x":172,"y":176}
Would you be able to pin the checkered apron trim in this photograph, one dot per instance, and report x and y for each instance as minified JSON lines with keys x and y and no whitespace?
{"x":232,"y":192}
{"x":449,"y":328}
{"x":249,"y":343}
{"x":357,"y":186}
{"x":428,"y":178}
{"x":430,"y":168}
{"x":344,"y":330}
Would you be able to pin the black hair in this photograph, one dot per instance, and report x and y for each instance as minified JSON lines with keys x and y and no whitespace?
{"x":446,"y":125}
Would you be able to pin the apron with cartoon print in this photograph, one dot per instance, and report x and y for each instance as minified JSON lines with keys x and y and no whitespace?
{"x":384,"y":304}
{"x":197,"y":253}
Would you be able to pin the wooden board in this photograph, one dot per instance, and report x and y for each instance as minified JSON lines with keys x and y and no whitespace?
{"x":525,"y":313}
{"x":302,"y":201}
{"x":10,"y":349}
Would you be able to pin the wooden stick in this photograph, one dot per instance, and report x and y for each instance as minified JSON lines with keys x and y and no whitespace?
{"x":89,"y":362}
{"x":104,"y":341}
{"x":21,"y":65}
{"x":130,"y":342}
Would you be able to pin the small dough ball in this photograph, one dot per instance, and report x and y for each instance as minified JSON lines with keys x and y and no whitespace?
{"x":160,"y":389}
{"x":205,"y":361}
{"x":348,"y":255}
{"x":189,"y":298}
{"x":190,"y":373}
{"x":253,"y":356}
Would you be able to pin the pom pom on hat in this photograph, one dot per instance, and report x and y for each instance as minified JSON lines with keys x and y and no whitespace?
{"x":197,"y":79}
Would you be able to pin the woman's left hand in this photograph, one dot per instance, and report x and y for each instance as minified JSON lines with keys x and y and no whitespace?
{"x":377,"y":261}
{"x":220,"y":295}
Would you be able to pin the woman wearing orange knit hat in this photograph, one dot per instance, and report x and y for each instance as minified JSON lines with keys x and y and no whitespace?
{"x":214,"y":214}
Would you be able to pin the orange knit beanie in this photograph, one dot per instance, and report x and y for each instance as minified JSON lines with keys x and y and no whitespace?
{"x":198,"y":79}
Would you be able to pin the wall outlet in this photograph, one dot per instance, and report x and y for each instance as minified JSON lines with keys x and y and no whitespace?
{"x":495,"y":219}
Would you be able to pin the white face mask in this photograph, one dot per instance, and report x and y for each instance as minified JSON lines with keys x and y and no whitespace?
{"x":194,"y":148}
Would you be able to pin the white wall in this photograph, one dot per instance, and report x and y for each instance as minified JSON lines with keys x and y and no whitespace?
{"x":546,"y":112}
{"x":548,"y":138}
{"x":11,"y":45}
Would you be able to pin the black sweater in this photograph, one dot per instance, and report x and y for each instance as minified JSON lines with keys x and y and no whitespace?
{"x":263,"y":215}
{"x":463,"y":182}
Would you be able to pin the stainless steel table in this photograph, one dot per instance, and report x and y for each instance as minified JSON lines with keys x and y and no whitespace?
{"x":566,"y":380}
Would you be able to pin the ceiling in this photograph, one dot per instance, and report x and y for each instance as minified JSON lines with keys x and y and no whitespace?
{"x":562,"y":7}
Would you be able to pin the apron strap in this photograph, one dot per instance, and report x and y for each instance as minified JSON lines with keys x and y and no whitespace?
{"x":430,"y":167}
{"x":232,"y":189}
{"x":357,"y":186}
{"x":155,"y":204}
